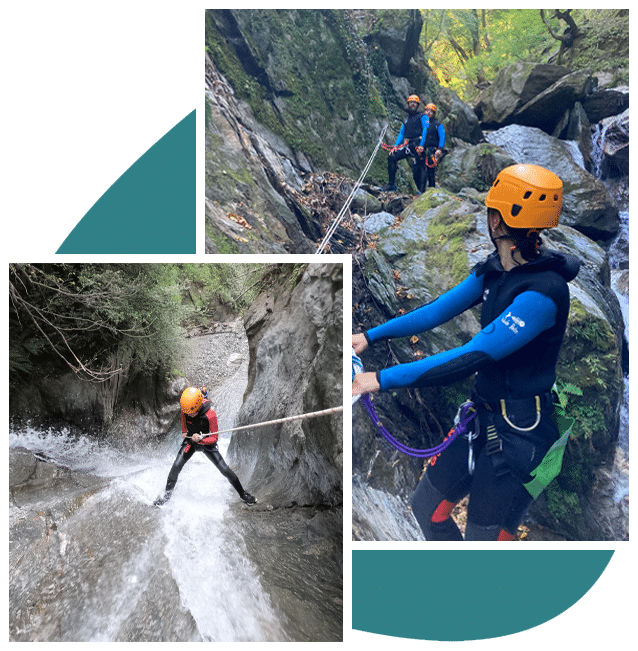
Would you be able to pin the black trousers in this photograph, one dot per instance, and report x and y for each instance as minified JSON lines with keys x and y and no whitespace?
{"x":409,"y":151}
{"x":498,"y":499}
{"x":187,"y":450}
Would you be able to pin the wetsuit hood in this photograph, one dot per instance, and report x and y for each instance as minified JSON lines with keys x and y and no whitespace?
{"x":565,"y":265}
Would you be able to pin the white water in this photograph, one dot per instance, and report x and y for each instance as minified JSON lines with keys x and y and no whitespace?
{"x":217,"y":582}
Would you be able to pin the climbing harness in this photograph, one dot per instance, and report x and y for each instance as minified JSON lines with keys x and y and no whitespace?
{"x":346,"y":205}
{"x":463,"y":417}
{"x":312,"y":414}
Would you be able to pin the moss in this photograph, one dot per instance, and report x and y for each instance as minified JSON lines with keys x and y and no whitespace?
{"x":590,"y":358}
{"x":223,"y":243}
{"x":315,"y":103}
{"x":563,"y":505}
{"x":446,"y":236}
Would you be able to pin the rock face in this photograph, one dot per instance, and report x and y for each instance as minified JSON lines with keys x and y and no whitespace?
{"x":291,"y":93}
{"x":295,"y":340}
{"x":434,"y":244}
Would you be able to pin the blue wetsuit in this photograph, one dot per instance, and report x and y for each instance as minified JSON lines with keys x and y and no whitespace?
{"x":523,"y":319}
{"x":413,"y":130}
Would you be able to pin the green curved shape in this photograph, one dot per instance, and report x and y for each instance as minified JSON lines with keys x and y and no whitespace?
{"x":151,"y":207}
{"x":90,"y":88}
{"x":603,"y":616}
{"x":467,"y":595}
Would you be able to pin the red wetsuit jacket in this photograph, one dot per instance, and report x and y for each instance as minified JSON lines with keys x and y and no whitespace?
{"x":203,"y":422}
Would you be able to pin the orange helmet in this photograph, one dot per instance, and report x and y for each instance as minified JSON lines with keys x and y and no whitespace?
{"x":527,"y":196}
{"x":431,"y":106}
{"x":191,"y":401}
{"x":414,"y":98}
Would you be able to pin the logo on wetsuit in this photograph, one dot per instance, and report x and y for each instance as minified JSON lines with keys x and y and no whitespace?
{"x":513,"y":322}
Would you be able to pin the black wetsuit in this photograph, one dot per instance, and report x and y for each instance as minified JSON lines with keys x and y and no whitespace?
{"x":523,"y":318}
{"x":204,"y":422}
{"x":412,"y":135}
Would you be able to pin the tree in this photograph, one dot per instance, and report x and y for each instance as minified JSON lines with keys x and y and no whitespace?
{"x":100,"y":321}
{"x":569,"y":35}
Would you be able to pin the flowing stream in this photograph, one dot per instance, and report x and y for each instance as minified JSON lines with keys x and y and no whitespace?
{"x":129,"y":571}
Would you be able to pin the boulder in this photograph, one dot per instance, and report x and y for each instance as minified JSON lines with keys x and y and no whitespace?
{"x":472,"y":166}
{"x":587,"y":205}
{"x":457,"y":117}
{"x":513,"y":87}
{"x":396,"y":34}
{"x":545,"y":109}
{"x":611,"y":146}
{"x":606,"y":102}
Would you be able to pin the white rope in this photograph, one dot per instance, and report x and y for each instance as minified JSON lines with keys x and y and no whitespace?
{"x":346,"y":205}
{"x":312,"y":414}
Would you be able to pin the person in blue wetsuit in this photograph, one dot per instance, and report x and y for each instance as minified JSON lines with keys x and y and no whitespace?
{"x":434,"y":142}
{"x":409,"y":144}
{"x":524,"y":297}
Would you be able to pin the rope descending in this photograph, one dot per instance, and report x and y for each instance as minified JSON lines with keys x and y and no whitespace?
{"x":312,"y":414}
{"x":346,"y":205}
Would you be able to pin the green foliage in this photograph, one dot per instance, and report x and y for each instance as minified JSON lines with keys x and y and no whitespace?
{"x":98,"y":320}
{"x":468,"y":47}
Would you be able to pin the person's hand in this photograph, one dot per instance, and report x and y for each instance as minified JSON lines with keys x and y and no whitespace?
{"x":365,"y":383}
{"x":359,"y":343}
{"x":419,"y":150}
{"x":438,"y":154}
{"x":197,"y":438}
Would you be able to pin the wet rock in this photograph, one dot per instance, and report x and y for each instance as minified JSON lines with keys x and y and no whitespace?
{"x":605,"y":103}
{"x":295,"y":368}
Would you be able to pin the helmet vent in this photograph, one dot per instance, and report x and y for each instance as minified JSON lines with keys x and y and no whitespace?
{"x":516,"y":209}
{"x":527,"y":195}
{"x":542,"y":197}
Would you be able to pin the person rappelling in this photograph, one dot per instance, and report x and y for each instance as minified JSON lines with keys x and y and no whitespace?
{"x":409,"y":144}
{"x":506,"y":456}
{"x":200,"y":434}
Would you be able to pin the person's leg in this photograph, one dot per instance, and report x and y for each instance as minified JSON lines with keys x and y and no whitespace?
{"x":499,"y":499}
{"x":185,"y":453}
{"x":418,"y":174}
{"x":442,"y":486}
{"x":215,"y":456}
{"x":496,"y":505}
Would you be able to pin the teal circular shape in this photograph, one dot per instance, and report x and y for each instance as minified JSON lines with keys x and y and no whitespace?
{"x":467,"y":595}
{"x":151,"y":207}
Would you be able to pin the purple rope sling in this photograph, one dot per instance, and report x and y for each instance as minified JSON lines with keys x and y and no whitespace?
{"x":460,"y":426}
{"x":465,"y":414}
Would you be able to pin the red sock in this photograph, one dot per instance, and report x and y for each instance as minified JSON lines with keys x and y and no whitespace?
{"x":505,"y":535}
{"x":443,"y":511}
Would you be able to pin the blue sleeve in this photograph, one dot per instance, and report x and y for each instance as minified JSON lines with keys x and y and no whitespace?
{"x":400,"y":137}
{"x":425,"y":124}
{"x":529,"y":314}
{"x":441,"y":131}
{"x":448,"y":305}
